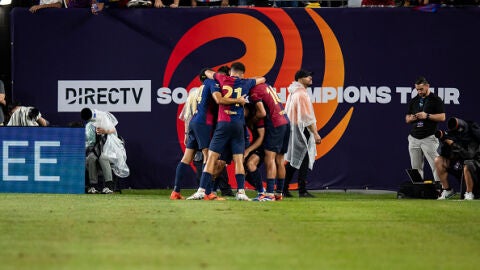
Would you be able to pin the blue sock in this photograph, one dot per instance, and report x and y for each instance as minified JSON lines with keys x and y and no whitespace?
{"x":215,"y":184}
{"x":182,"y":168}
{"x":205,"y":180}
{"x":280,"y":183}
{"x":270,"y":185}
{"x":240,"y":181}
{"x":208,"y":188}
{"x":257,"y":178}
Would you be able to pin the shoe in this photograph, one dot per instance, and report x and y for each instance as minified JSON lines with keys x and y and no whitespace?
{"x":106,"y":190}
{"x":92,"y":190}
{"x":278,"y":197}
{"x":305,"y":194}
{"x":259,"y":197}
{"x":287,"y":194}
{"x":197,"y":196}
{"x":446,"y":194}
{"x":213,"y":197}
{"x":176,"y":196}
{"x":468,"y":196}
{"x":242,"y":197}
{"x":268,"y":198}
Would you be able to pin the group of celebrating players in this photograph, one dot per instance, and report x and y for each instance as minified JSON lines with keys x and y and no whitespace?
{"x":218,"y":114}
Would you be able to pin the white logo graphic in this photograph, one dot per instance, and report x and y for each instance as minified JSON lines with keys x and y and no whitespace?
{"x":113,"y":96}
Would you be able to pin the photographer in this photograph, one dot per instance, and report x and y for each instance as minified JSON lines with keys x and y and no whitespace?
{"x":25,"y":116}
{"x":425,"y":111}
{"x":459,"y":154}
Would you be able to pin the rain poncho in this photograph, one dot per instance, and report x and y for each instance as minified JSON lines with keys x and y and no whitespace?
{"x":300,"y":111}
{"x":20,"y":117}
{"x":113,"y":148}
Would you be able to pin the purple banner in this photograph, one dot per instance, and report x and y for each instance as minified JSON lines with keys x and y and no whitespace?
{"x":140,"y":63}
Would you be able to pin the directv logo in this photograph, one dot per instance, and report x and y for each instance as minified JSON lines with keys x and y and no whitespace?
{"x":113,"y":96}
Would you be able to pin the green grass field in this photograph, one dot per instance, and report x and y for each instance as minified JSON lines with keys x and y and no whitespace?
{"x":142,"y":229}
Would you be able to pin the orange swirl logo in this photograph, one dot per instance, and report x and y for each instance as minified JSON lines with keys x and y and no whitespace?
{"x":262,"y":54}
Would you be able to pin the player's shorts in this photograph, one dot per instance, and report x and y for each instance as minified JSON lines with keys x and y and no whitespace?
{"x":276,"y":139}
{"x":199,"y":136}
{"x":228,"y":135}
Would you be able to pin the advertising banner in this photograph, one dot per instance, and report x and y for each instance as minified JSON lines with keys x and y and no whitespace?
{"x":140,"y":64}
{"x":42,"y":160}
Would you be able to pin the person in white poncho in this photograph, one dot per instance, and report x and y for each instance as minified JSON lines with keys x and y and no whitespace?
{"x":104,"y":150}
{"x":303,"y":133}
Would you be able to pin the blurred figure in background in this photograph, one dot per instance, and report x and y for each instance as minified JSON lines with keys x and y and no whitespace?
{"x":46,"y":4}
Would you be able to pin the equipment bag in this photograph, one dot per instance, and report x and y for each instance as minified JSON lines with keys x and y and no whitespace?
{"x":417,"y":191}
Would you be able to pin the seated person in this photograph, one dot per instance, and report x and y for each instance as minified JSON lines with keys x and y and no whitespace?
{"x":459,"y":154}
{"x":97,"y":130}
{"x":25,"y":116}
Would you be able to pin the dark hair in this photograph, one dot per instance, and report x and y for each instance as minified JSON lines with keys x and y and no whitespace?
{"x":421,"y":80}
{"x":302,"y":73}
{"x":224,"y":69}
{"x":237,"y":66}
{"x":33,"y":113}
{"x":86,"y":114}
{"x":202,"y":76}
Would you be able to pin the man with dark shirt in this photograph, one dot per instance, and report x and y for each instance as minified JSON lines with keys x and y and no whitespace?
{"x":425,"y":111}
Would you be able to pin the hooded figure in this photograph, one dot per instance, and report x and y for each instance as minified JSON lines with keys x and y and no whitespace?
{"x":300,"y":111}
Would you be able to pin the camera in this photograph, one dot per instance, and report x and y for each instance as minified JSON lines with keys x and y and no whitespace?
{"x":441,"y":135}
{"x":456,"y":129}
{"x":457,"y":124}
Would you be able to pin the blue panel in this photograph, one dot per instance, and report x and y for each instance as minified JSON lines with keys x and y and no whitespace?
{"x":42,"y":160}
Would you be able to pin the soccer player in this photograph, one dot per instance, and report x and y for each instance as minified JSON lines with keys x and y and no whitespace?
{"x":277,"y":133}
{"x":230,"y":127}
{"x":199,"y":129}
{"x":254,"y":152}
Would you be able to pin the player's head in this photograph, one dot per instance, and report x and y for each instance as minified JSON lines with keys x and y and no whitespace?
{"x":237,"y":69}
{"x":224,"y":70}
{"x":202,"y":76}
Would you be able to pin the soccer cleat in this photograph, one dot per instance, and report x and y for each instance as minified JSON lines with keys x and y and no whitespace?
{"x":268,"y":198}
{"x":197,"y":196}
{"x":106,"y":190}
{"x":259,"y":197}
{"x":213,"y":197}
{"x":446,"y":194}
{"x":278,"y":197}
{"x":468,"y":196}
{"x":242,"y":197}
{"x":92,"y":190}
{"x":176,"y":196}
